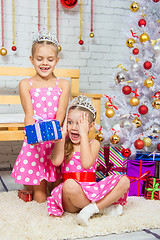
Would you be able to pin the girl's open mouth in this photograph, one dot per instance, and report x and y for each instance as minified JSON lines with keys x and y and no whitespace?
{"x":44,"y":68}
{"x":74,"y":136}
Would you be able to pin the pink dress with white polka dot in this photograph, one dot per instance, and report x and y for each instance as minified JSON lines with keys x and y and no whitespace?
{"x":94,"y":191}
{"x":33,"y":163}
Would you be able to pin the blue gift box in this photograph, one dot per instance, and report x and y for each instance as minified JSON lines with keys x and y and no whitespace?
{"x":43,"y":131}
{"x":150,"y":156}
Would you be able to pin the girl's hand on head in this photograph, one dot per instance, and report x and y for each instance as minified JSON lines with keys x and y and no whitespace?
{"x":83,"y":124}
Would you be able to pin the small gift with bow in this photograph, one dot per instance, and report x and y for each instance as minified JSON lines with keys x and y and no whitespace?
{"x":138,"y":172}
{"x":43,"y":130}
{"x":152,"y":189}
{"x":26,"y":196}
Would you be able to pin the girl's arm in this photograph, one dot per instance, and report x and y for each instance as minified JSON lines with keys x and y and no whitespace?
{"x":63,"y":102}
{"x":89,"y":151}
{"x":26,"y":101}
{"x":57,"y":155}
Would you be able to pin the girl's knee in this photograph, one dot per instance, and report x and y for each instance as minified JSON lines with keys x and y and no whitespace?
{"x":125,"y":182}
{"x":70,"y":186}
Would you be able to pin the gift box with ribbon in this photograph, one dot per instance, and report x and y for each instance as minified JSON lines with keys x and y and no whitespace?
{"x":43,"y":130}
{"x":138,"y":172}
{"x":26,"y":196}
{"x":154,"y":156}
{"x":152,"y":189}
{"x":102,"y":162}
{"x":117,"y":163}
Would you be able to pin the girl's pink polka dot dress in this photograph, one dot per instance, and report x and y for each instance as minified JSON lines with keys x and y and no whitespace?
{"x":33,"y":163}
{"x":93,"y":190}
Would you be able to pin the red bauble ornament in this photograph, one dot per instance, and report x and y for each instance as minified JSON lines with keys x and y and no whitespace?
{"x":147,"y":65}
{"x":157,"y":95}
{"x":126,"y":90}
{"x":139,"y":144}
{"x":81,"y":42}
{"x":158,"y":146}
{"x":69,"y":3}
{"x":126,"y":152}
{"x":143,"y":109}
{"x":155,"y":0}
{"x":135,"y":51}
{"x":14,"y":48}
{"x":142,"y":22}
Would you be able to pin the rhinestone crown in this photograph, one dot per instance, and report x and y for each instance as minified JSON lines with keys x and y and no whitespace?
{"x":45,"y":36}
{"x":85,"y":102}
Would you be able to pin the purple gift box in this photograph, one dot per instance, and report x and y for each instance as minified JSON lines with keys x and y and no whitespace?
{"x":138,"y":171}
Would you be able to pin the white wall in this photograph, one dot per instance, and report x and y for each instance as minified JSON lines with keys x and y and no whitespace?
{"x":97,"y":58}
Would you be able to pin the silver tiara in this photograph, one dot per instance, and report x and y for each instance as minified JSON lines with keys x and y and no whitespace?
{"x":85,"y":102}
{"x":45,"y":36}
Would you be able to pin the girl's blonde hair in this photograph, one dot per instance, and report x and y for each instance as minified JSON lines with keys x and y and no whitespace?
{"x":43,"y":43}
{"x":68,"y":148}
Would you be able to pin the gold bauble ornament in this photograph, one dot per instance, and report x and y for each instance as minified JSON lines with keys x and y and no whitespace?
{"x":148,"y":82}
{"x":143,"y":37}
{"x":156,"y":103}
{"x":134,"y":101}
{"x":147,"y":141}
{"x":3,"y":51}
{"x":137,"y":122}
{"x":107,"y":104}
{"x":134,"y":7}
{"x":114,"y":139}
{"x":109,"y":112}
{"x":59,"y":48}
{"x":91,"y":35}
{"x":130,"y":42}
{"x":99,"y":137}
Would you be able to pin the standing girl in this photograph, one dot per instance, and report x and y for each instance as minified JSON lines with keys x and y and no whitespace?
{"x":46,"y":96}
{"x":79,"y":191}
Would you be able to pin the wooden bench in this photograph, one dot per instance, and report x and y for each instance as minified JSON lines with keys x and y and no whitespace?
{"x":14,"y":131}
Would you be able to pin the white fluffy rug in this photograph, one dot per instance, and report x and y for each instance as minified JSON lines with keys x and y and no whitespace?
{"x":20,"y":220}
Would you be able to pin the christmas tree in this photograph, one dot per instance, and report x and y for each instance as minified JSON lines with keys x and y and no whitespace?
{"x":132,"y":117}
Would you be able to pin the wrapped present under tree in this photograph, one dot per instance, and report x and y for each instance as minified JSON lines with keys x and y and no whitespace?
{"x":102,"y":163}
{"x":151,"y":156}
{"x":118,"y":163}
{"x":138,"y":171}
{"x":152,"y":189}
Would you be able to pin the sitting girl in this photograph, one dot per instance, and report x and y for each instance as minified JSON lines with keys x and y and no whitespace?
{"x":79,"y":191}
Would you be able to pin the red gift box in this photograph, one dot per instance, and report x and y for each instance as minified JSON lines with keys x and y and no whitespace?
{"x":26,"y":196}
{"x":152,"y":189}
